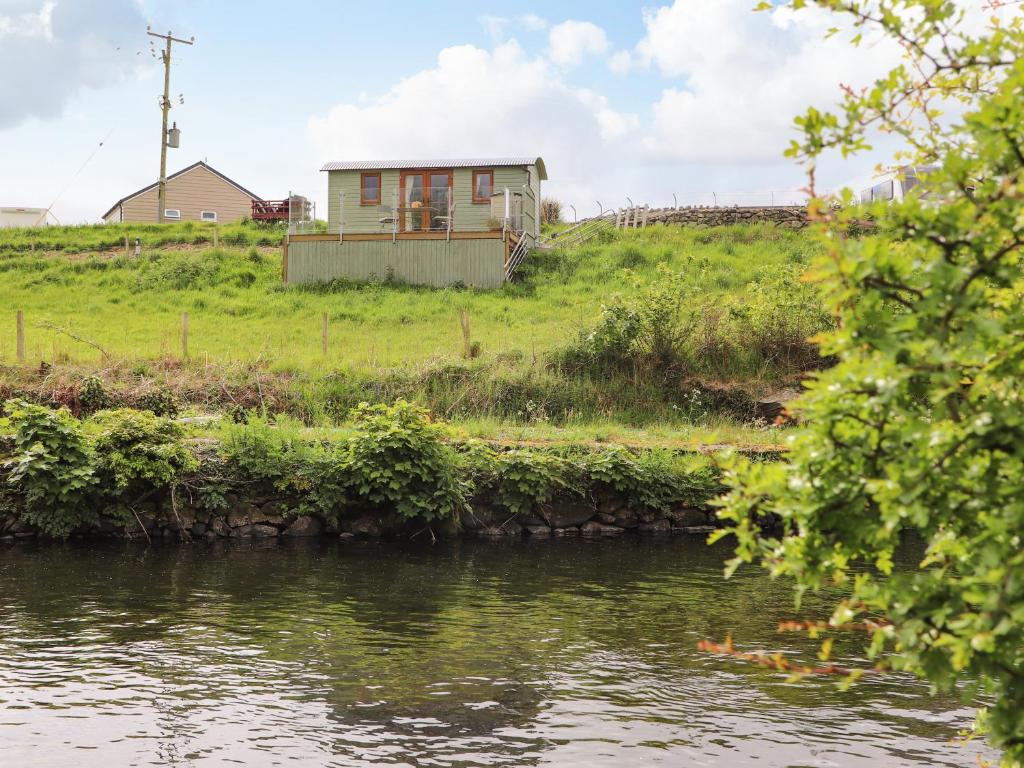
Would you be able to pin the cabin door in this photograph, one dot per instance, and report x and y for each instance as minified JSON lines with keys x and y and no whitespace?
{"x":424,"y":204}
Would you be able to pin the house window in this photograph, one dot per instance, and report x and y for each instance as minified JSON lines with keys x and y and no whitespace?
{"x":369,"y":189}
{"x":172,"y":213}
{"x":208,"y":215}
{"x":483,"y":186}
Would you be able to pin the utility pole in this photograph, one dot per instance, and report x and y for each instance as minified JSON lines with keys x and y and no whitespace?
{"x":165,"y":107}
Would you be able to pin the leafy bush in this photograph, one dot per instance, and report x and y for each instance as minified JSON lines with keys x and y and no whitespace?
{"x":137,"y":451}
{"x":92,"y":395}
{"x":160,"y":402}
{"x":397,"y":460}
{"x":181,"y":271}
{"x":267,"y":452}
{"x":650,"y":328}
{"x":521,"y":480}
{"x":52,"y":470}
{"x":775,"y":318}
{"x":652,"y":479}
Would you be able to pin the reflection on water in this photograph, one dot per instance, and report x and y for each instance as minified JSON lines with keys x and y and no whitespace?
{"x":463,"y":654}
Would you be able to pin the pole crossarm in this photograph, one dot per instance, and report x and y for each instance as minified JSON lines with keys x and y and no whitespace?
{"x":169,"y":36}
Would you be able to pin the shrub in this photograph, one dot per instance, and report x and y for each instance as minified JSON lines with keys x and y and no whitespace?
{"x":652,"y":479}
{"x":550,"y":210}
{"x":521,"y":480}
{"x":92,"y":396}
{"x":265,"y":452}
{"x":161,"y":402}
{"x":52,"y":469}
{"x":650,"y":328}
{"x":137,"y":451}
{"x":776,"y":317}
{"x":397,"y":460}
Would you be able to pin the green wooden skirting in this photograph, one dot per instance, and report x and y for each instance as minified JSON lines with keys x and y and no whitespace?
{"x":438,"y":263}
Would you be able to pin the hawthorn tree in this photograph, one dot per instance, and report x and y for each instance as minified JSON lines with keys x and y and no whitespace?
{"x":918,"y":430}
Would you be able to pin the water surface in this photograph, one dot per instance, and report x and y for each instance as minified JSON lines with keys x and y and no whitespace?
{"x":568,"y":653}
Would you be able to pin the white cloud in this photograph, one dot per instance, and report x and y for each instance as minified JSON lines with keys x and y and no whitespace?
{"x":533,"y":22}
{"x":31,"y":23}
{"x":621,"y":62}
{"x":478,"y":102}
{"x":50,"y":50}
{"x":494,"y":26}
{"x":743,"y":76}
{"x":571,"y":41}
{"x":497,"y":27}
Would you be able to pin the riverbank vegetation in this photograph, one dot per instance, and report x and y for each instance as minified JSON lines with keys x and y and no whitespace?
{"x":60,"y":474}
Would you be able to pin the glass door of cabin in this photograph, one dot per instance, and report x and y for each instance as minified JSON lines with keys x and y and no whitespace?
{"x":425,"y":196}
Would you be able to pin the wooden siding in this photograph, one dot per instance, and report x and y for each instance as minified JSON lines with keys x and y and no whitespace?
{"x":469,"y":216}
{"x":478,"y":262}
{"x":191,"y":193}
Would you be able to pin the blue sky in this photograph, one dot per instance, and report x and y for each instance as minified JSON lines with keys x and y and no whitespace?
{"x":621,"y":98}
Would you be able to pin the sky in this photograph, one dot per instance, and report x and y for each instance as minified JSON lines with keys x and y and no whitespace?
{"x":624,"y":100}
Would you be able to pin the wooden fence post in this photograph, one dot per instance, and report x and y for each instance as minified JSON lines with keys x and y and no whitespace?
{"x":216,"y":236}
{"x":467,"y":344}
{"x":21,"y":336}
{"x":184,"y":335}
{"x":325,"y":335}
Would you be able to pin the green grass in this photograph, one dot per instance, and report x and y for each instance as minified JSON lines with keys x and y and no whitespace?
{"x":256,"y":343}
{"x":239,"y":310}
{"x":107,"y":237}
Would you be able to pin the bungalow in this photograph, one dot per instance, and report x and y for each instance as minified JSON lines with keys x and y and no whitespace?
{"x":428,"y":222}
{"x":196,"y":193}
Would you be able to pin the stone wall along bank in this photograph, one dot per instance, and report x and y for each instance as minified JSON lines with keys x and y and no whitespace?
{"x":268,"y":517}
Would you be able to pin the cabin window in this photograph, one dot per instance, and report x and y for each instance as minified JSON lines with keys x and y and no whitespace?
{"x":172,"y":213}
{"x":208,"y":215}
{"x":483,"y":186}
{"x":369,"y":189}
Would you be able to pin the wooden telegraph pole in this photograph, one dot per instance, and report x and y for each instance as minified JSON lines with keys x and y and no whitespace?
{"x":165,"y":107}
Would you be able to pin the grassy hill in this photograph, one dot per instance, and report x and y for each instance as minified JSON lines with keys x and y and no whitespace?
{"x":574,"y":342}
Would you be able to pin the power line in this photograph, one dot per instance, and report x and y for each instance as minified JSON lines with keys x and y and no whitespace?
{"x":49,"y":208}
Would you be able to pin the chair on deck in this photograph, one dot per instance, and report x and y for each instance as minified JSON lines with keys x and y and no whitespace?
{"x":387,"y":217}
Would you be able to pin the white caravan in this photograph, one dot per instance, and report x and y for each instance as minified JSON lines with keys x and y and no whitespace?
{"x":894,"y":184}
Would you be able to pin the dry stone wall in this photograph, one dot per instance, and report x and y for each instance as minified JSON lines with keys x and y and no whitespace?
{"x":266,"y":517}
{"x":792,"y":217}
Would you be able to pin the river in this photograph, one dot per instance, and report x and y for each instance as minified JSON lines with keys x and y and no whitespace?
{"x":472,"y":653}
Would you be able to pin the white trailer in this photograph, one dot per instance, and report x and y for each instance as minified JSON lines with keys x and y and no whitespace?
{"x":24,"y":217}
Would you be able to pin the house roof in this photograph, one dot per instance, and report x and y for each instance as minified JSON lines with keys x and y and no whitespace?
{"x":182,"y":172}
{"x":477,"y":162}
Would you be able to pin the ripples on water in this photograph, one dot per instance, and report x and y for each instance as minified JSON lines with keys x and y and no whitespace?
{"x":568,"y":653}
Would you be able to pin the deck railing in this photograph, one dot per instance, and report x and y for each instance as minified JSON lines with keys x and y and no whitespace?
{"x":429,"y":210}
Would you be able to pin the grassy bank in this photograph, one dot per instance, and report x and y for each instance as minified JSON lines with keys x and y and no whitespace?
{"x":579,"y":342}
{"x":110,"y":238}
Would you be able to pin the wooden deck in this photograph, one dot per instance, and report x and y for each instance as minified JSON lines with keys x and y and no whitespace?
{"x":357,"y":237}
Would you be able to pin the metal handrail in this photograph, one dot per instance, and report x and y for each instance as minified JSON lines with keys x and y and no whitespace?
{"x":580,"y":232}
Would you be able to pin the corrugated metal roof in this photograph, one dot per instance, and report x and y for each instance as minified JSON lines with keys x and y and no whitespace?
{"x":477,"y":162}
